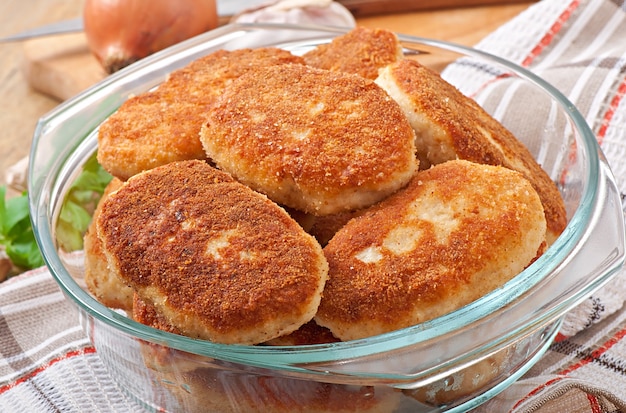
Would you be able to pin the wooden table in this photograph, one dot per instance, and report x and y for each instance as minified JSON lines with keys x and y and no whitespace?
{"x":21,"y":106}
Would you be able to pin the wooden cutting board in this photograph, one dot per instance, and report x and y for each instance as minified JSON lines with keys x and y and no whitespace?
{"x":60,"y":66}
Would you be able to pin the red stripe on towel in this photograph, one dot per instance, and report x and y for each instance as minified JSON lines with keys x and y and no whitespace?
{"x":597,"y":353}
{"x":68,"y":355}
{"x":550,"y":35}
{"x":586,"y":360}
{"x":593,"y":404}
{"x":606,"y":119}
{"x":536,"y":390}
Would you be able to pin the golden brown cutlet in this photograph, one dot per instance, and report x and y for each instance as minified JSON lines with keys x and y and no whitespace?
{"x":148,"y":131}
{"x":162,"y":358}
{"x":324,"y":227}
{"x":147,"y":314}
{"x":466,"y":382}
{"x":204,"y":79}
{"x":210,"y":390}
{"x":449,"y":125}
{"x":101,"y":282}
{"x":456,"y":232}
{"x":361,"y":51}
{"x":162,"y":126}
{"x":310,"y":139}
{"x":309,"y":333}
{"x":219,"y":261}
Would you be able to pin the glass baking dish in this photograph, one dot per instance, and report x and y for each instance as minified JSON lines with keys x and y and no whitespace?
{"x":451,"y":363}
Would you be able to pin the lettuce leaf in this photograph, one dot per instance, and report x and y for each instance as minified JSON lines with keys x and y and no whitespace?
{"x":16,"y":233}
{"x":79,"y":204}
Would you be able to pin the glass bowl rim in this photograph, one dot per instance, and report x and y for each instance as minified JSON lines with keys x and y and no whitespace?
{"x":285,"y":357}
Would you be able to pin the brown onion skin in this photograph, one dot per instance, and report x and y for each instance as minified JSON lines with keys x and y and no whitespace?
{"x":120,"y":32}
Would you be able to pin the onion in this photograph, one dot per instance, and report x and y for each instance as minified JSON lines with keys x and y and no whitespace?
{"x":120,"y":32}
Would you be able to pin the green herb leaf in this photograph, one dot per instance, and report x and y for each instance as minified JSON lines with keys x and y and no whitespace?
{"x":17,"y":211}
{"x":79,"y":204}
{"x":16,"y":234}
{"x":73,"y":222}
{"x":24,"y":252}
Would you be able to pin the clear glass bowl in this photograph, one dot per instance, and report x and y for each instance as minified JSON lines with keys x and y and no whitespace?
{"x":453,"y":363}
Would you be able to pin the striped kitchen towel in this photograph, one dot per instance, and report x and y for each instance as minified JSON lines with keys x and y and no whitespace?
{"x":48,"y":364}
{"x":579,"y":46}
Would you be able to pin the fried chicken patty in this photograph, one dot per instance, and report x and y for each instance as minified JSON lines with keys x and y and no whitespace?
{"x":309,"y":333}
{"x":101,"y":282}
{"x":323,"y":228}
{"x":162,"y":126}
{"x":310,"y":139}
{"x":470,"y":380}
{"x":204,"y":79}
{"x":146,"y":314}
{"x":149,"y":130}
{"x":219,"y":261}
{"x":449,"y":125}
{"x":361,"y":51}
{"x":456,"y":232}
{"x":215,"y":390}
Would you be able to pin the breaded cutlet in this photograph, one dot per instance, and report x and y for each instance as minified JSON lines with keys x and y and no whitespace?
{"x":204,"y":79}
{"x":148,"y":131}
{"x":466,"y":382}
{"x":211,"y":390}
{"x":162,"y":126}
{"x":324,"y":227}
{"x":361,"y":51}
{"x":458,"y":231}
{"x":449,"y":125}
{"x":310,"y":139}
{"x":101,"y":282}
{"x":309,"y":333}
{"x":146,"y":314}
{"x":162,"y":358}
{"x":219,"y":261}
